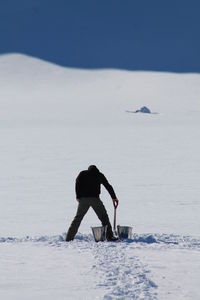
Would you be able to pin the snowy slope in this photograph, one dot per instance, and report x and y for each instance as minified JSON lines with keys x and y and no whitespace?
{"x":54,"y":122}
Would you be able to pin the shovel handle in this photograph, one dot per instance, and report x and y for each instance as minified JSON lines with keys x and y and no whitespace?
{"x":114,"y":222}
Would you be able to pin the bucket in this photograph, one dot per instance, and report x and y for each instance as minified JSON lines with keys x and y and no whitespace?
{"x":124,"y":232}
{"x":99,"y":233}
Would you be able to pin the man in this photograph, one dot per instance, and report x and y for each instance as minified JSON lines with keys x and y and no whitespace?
{"x":88,"y":189}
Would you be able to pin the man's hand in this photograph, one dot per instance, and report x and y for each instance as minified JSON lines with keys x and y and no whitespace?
{"x":115,"y":202}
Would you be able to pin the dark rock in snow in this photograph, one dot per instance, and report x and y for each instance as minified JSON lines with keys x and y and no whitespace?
{"x":144,"y":109}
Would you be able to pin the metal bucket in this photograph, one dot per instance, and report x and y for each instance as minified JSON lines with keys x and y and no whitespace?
{"x":124,"y":232}
{"x":99,"y":233}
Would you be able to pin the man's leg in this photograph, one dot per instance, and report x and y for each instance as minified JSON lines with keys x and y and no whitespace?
{"x":101,"y":212}
{"x":81,"y":211}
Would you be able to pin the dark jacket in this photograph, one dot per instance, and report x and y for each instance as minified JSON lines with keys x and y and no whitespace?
{"x":88,"y":184}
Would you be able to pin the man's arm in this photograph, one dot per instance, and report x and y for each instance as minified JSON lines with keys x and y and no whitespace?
{"x":78,"y":186}
{"x":110,"y":190}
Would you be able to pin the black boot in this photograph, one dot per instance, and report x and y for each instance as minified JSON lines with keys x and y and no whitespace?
{"x":112,"y":239}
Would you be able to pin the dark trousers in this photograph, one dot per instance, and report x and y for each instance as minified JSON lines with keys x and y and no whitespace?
{"x":84,"y":205}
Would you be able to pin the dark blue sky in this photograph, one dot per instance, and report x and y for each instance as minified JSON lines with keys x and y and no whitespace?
{"x":127,"y":34}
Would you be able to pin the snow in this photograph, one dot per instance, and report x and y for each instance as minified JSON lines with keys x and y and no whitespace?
{"x":54,"y":122}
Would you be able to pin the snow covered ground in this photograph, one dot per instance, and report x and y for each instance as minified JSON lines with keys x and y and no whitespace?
{"x":56,"y":121}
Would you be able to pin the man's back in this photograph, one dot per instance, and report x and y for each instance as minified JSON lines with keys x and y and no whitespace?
{"x":88,"y":183}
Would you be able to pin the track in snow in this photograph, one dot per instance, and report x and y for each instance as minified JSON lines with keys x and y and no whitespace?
{"x":116,"y":268}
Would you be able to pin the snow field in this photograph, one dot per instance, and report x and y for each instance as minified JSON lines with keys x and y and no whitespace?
{"x":56,"y":121}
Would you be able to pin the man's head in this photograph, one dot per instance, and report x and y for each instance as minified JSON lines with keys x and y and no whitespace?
{"x":93,"y":169}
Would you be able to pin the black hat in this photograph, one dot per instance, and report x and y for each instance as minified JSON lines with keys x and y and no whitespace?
{"x":93,"y":168}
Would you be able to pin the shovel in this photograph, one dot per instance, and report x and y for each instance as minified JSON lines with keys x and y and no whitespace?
{"x":122,"y":232}
{"x":114,"y":222}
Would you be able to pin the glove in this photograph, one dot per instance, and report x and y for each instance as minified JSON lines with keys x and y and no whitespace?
{"x":115,"y":202}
